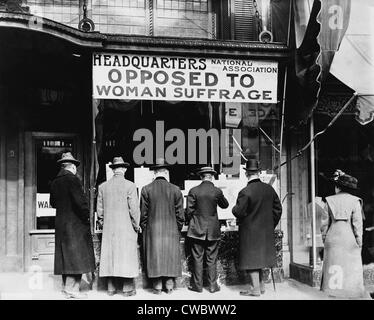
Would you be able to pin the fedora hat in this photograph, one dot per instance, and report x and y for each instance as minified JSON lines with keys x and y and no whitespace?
{"x":68,"y":157}
{"x":118,"y":162}
{"x":206,"y":170}
{"x":252,"y":165}
{"x":341,"y":179}
{"x":160,"y":163}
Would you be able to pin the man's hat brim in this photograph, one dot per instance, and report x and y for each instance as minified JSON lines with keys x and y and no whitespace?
{"x":252,"y":170}
{"x":76,"y":162}
{"x":159,"y":166}
{"x":119,"y":165}
{"x":211,"y":171}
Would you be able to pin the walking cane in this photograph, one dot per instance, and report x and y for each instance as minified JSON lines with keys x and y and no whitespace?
{"x":272,"y":277}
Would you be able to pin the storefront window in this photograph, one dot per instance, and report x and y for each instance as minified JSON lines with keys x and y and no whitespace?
{"x":348,"y":146}
{"x":121,"y":120}
{"x":188,"y":110}
{"x":298,"y":197}
{"x":354,"y":155}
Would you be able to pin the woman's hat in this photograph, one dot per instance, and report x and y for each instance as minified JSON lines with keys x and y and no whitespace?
{"x":206,"y":170}
{"x":342,"y":179}
{"x":119,"y":163}
{"x":252,"y":165}
{"x":68,"y":157}
{"x":160,"y":163}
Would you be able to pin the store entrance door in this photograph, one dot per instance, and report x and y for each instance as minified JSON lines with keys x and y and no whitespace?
{"x":42,"y":152}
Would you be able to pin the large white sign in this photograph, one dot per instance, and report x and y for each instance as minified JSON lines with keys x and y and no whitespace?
{"x":148,"y":77}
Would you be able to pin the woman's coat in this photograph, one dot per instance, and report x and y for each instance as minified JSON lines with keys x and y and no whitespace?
{"x":342,"y":272}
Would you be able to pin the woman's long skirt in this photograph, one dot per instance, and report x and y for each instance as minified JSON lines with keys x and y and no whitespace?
{"x":342,"y":272}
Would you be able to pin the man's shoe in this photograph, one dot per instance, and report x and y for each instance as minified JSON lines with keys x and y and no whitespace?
{"x":215,"y":288}
{"x":169,"y":291}
{"x":156,"y":291}
{"x":129,"y":293}
{"x":193,"y":288}
{"x":111,"y":293}
{"x":250,"y":293}
{"x":75,"y":295}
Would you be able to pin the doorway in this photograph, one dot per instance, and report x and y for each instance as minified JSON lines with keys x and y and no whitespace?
{"x":42,"y":150}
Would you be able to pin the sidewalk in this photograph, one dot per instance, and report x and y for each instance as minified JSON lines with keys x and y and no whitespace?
{"x":47,"y":287}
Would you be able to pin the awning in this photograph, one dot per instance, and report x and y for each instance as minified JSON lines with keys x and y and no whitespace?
{"x":319,"y":29}
{"x":353,"y":64}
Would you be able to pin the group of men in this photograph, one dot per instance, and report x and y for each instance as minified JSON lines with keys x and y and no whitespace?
{"x":158,"y":219}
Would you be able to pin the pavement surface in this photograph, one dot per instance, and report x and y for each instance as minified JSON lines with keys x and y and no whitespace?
{"x":26,"y":286}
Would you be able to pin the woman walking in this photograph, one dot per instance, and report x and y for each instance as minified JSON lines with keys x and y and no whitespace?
{"x":342,"y":273}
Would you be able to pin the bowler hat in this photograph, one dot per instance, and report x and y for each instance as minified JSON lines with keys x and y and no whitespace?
{"x":341,"y":179}
{"x":252,"y":165}
{"x":68,"y":157}
{"x":206,"y":170}
{"x":118,"y":163}
{"x":160,"y":163}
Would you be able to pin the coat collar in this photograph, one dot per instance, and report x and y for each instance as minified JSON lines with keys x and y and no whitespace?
{"x":161,"y":178}
{"x":64,"y":172}
{"x":254,"y":180}
{"x":118,"y":175}
{"x":206,"y":182}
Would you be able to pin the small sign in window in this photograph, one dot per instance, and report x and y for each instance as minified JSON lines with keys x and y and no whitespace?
{"x":43,"y":206}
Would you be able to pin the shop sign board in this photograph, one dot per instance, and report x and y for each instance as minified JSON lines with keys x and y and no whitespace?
{"x":175,"y":78}
{"x":43,"y":206}
{"x":233,"y":114}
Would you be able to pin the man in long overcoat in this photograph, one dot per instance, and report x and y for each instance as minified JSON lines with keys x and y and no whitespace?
{"x":204,"y":229}
{"x":258,"y":210}
{"x":119,"y":213}
{"x":162,"y":219}
{"x":74,"y":253}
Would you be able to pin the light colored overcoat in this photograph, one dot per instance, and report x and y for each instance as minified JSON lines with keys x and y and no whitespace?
{"x":342,"y":271}
{"x":118,"y":209}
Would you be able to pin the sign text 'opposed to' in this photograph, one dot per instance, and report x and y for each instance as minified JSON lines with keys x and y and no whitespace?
{"x":146,"y":77}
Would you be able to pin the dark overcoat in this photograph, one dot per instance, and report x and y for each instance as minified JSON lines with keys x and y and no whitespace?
{"x":162,"y":219}
{"x":201,"y":211}
{"x":258,"y":211}
{"x":73,"y":241}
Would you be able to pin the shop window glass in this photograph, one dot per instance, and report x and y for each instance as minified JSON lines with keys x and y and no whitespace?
{"x":348,"y":146}
{"x":298,"y":198}
{"x":353,"y":154}
{"x":120,"y":120}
